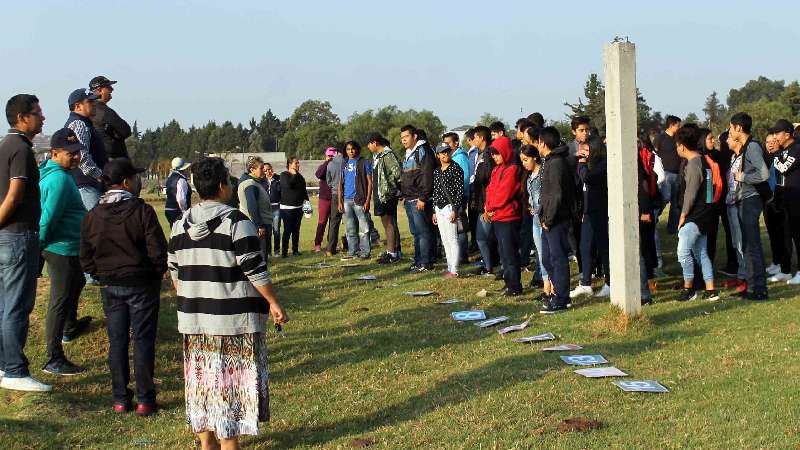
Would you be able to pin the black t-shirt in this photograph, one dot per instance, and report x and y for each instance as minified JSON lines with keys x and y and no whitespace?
{"x":668,"y":152}
{"x":17,"y":161}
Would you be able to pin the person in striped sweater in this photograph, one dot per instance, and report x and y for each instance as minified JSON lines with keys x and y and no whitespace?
{"x":224,"y":294}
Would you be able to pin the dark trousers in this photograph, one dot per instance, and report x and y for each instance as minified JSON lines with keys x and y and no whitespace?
{"x":775,"y":219}
{"x":292,"y":218}
{"x":266,"y":243}
{"x":507,"y":234}
{"x":525,"y":239}
{"x":133,"y":308}
{"x":793,"y":225}
{"x":172,"y":216}
{"x":473,"y":216}
{"x":749,"y":213}
{"x":422,"y":228}
{"x":333,"y":228}
{"x":555,"y":257}
{"x":66,"y":283}
{"x":731,"y":263}
{"x":594,"y":239}
{"x":324,"y":214}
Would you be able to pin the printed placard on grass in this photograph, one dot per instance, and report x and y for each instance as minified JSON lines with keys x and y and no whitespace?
{"x":419,"y":293}
{"x":466,"y":316}
{"x":492,"y":322}
{"x":537,"y":338}
{"x":451,"y":301}
{"x":367,"y":278}
{"x":562,"y":348}
{"x":600,"y":372}
{"x":641,"y":386}
{"x":584,"y":360}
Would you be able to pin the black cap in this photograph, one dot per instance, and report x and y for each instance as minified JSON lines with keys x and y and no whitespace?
{"x":67,"y":139}
{"x":118,"y":169}
{"x":79,"y":95}
{"x":782,"y":125}
{"x":100,"y":81}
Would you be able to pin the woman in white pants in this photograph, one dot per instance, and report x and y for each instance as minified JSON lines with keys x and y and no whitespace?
{"x":448,"y":194}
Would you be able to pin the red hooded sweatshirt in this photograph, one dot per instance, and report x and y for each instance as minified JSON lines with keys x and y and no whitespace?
{"x":502,"y":194}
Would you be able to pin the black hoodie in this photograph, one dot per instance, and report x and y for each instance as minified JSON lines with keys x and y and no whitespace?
{"x":122,"y":243}
{"x":557,"y":201}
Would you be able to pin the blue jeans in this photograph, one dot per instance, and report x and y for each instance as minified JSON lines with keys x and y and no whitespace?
{"x":357,"y":229}
{"x":749,"y":214}
{"x":484,"y":232}
{"x":276,"y":227}
{"x":555,"y":254}
{"x":419,"y":222}
{"x":736,"y":239}
{"x":133,"y":308}
{"x":537,"y":242}
{"x":19,"y":266}
{"x":671,"y":190}
{"x":692,"y":243}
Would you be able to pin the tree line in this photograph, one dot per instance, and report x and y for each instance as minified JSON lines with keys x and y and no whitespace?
{"x":313,"y":125}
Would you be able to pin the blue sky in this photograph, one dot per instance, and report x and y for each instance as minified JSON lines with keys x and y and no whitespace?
{"x":201,"y":60}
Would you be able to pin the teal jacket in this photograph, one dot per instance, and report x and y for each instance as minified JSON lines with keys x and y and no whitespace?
{"x":460,"y":157}
{"x":62,"y":211}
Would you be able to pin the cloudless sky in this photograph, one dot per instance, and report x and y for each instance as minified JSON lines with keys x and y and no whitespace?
{"x":231,"y":60}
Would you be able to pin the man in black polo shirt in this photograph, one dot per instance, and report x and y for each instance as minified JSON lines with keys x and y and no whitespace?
{"x":19,"y":239}
{"x":667,"y":150}
{"x":113,"y":130}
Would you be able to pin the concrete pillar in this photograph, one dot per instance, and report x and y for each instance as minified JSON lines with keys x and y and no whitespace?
{"x":619,"y":61}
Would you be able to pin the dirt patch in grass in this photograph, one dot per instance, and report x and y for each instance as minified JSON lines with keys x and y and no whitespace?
{"x":578,"y":424}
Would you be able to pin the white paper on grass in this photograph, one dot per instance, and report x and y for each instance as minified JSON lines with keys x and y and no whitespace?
{"x":512,"y":328}
{"x":537,"y":338}
{"x":641,"y":386}
{"x":419,"y":293}
{"x":492,"y":322}
{"x":351,"y":265}
{"x":450,"y":302}
{"x":599,"y":372}
{"x":562,"y":348}
{"x":584,"y":360}
{"x":367,"y":278}
{"x":465,"y":316}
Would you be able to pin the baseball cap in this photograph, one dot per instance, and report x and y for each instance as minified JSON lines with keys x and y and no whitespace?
{"x":441,"y":148}
{"x":330,"y":151}
{"x":79,"y":95}
{"x":118,"y":169}
{"x":179,"y":164}
{"x":67,"y":139}
{"x":100,"y":81}
{"x":782,"y":125}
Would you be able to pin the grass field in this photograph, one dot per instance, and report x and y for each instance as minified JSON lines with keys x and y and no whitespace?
{"x":362,"y":363}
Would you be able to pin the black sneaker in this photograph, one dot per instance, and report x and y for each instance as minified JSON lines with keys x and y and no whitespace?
{"x":383,"y":259}
{"x":413,"y":268}
{"x":687,"y":294}
{"x":757,"y":296}
{"x":647,"y":301}
{"x":710,"y":296}
{"x":545,"y":298}
{"x":63,"y":368}
{"x":511,"y":293}
{"x":552,"y":308}
{"x":424,"y":268}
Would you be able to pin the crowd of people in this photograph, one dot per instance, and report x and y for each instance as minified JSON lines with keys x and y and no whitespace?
{"x":508,"y":204}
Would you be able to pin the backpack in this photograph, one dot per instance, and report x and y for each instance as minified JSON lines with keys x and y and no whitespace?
{"x":715,"y":179}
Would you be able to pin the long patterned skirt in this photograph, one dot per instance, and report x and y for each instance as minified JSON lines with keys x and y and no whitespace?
{"x":227,"y":383}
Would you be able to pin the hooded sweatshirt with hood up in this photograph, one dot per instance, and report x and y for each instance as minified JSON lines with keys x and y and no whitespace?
{"x":215,"y":260}
{"x":122,"y":241}
{"x":502,"y":194}
{"x":62,"y":211}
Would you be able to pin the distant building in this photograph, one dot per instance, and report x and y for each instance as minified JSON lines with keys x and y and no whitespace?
{"x":460,"y":131}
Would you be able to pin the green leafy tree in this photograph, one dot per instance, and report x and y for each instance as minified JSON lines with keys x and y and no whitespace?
{"x":714,"y":111}
{"x":754,"y":90}
{"x":487,"y":119}
{"x":764,"y":113}
{"x":594,"y":105}
{"x":791,"y":98}
{"x":311,"y":128}
{"x":691,"y":118}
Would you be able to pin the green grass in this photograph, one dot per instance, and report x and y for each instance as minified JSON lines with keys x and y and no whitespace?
{"x":403,"y":375}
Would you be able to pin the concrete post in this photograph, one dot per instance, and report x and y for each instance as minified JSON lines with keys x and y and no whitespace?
{"x":619,"y":61}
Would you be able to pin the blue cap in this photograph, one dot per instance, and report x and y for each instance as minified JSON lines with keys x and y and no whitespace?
{"x":79,"y":95}
{"x":66,"y":139}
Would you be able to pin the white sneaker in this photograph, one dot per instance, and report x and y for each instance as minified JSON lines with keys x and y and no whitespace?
{"x":795,"y":279}
{"x":605,"y":291}
{"x":780,"y":277}
{"x":580,"y":291}
{"x":28,"y":384}
{"x":773,"y":269}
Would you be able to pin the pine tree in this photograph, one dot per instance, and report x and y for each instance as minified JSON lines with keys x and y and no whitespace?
{"x":714,"y":111}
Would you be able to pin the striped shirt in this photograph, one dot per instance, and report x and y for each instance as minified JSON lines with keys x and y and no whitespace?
{"x":87,"y":164}
{"x":216,"y":261}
